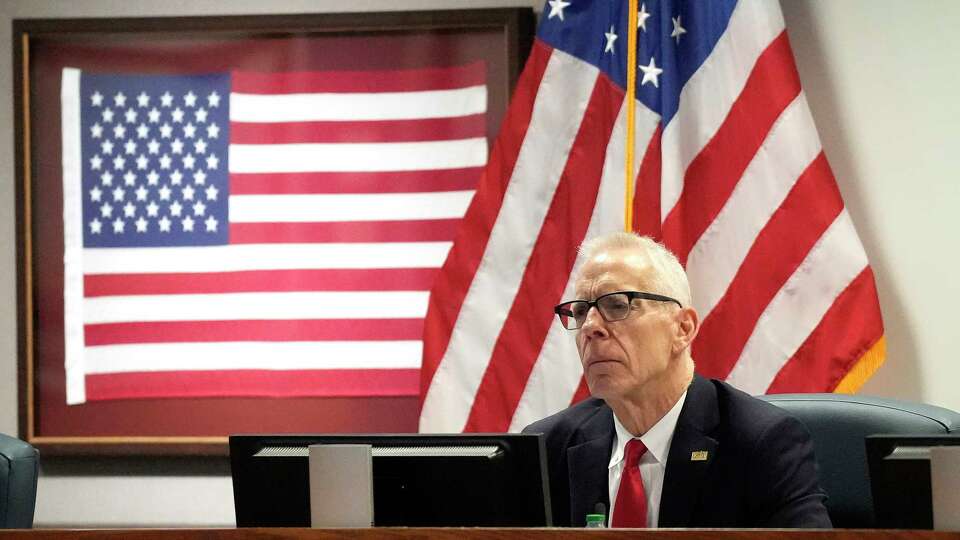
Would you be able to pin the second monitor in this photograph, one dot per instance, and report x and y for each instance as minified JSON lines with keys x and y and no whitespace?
{"x":900,"y":478}
{"x":418,"y":480}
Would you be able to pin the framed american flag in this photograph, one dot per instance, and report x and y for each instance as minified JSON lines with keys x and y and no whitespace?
{"x":231,"y":224}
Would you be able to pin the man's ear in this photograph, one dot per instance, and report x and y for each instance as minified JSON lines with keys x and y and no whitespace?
{"x":688,"y":324}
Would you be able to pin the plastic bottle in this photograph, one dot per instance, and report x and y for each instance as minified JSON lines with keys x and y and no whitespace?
{"x":596,"y":521}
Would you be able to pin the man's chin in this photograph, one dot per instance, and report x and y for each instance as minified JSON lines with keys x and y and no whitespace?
{"x":602,"y":387}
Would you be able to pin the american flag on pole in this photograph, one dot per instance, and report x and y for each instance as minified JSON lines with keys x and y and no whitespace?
{"x":260,"y":234}
{"x":730,"y":175}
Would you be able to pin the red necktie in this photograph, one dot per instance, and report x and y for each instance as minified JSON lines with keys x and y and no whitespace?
{"x":631,"y":508}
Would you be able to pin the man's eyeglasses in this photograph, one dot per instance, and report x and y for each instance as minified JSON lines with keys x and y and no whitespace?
{"x":613,"y":306}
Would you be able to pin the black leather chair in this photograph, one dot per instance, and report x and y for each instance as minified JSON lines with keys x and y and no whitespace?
{"x":19,"y":468}
{"x":838,"y":424}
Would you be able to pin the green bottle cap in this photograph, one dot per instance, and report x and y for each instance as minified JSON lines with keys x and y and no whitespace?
{"x":591,"y":518}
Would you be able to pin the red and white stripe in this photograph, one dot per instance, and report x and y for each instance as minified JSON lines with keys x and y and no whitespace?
{"x":346,"y":192}
{"x":736,"y":185}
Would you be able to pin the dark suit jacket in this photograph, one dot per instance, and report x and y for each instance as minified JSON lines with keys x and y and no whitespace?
{"x":759,"y":472}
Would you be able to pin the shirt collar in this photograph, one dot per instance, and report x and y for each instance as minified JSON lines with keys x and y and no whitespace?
{"x":656,"y":439}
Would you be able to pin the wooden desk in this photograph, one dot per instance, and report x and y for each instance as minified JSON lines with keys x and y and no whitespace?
{"x":397,"y":533}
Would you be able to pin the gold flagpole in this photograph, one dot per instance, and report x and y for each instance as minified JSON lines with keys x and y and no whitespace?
{"x":631,"y":111}
{"x":27,"y":238}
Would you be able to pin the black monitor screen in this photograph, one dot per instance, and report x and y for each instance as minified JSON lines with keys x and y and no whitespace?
{"x":900,"y":478}
{"x":466,"y":480}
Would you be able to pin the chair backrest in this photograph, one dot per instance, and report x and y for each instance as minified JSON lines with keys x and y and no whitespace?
{"x":838,"y":424}
{"x":19,"y":468}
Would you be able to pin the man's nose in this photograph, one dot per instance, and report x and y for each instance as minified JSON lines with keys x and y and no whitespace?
{"x":594,"y":323}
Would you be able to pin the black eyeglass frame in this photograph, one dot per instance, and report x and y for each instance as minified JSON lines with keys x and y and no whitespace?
{"x":563,"y":311}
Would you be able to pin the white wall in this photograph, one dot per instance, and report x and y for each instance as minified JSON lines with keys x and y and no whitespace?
{"x":881,"y":81}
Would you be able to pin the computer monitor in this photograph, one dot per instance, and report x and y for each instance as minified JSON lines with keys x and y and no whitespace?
{"x":469,"y":480}
{"x":900,"y":478}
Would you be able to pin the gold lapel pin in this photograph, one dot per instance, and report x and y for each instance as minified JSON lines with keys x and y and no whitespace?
{"x":699,"y":455}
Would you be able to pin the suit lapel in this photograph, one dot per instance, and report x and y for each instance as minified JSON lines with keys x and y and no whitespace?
{"x":587,"y":464}
{"x":692,"y":452}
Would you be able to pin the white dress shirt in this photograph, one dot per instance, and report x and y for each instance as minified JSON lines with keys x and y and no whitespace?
{"x":653,"y":463}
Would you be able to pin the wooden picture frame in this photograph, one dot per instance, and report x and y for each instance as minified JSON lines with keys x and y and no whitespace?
{"x":501,"y":38}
